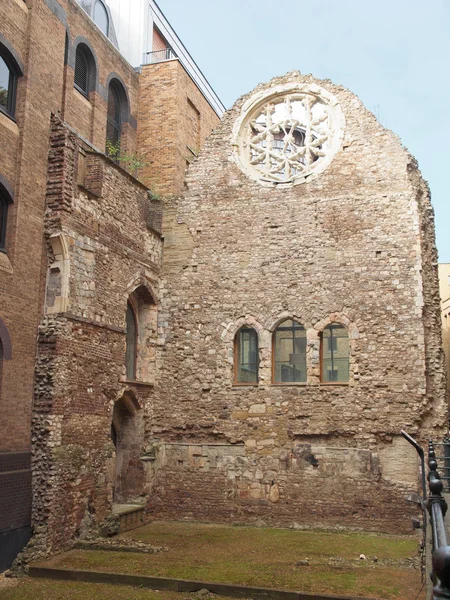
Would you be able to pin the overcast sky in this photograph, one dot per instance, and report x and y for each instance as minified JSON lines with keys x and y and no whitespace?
{"x":394,"y":54}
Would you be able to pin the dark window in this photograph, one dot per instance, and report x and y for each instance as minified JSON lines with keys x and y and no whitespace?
{"x":8,"y":82}
{"x":335,"y":354}
{"x":246,"y":356}
{"x":85,"y":71}
{"x":131,"y":343}
{"x":81,"y":71}
{"x":4,"y":202}
{"x":113,"y":124}
{"x":289,"y":353}
{"x":101,"y":17}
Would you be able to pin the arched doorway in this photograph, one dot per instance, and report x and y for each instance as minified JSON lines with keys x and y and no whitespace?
{"x":127,"y":436}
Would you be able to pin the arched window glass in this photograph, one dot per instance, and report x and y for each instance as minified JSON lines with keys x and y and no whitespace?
{"x":289,"y":353}
{"x":4,"y":202}
{"x":113,"y":124}
{"x":335,"y":354}
{"x":101,"y":17}
{"x":8,"y":82}
{"x":246,"y":356}
{"x":131,"y":343}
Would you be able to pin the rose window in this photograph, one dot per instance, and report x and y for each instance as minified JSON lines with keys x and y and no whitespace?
{"x":288,"y":136}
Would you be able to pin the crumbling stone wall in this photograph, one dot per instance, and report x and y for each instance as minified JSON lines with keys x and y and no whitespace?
{"x":355,"y":245}
{"x":104,"y":250}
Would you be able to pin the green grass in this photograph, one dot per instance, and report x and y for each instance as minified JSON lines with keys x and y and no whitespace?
{"x":46,"y":589}
{"x":266,"y":557}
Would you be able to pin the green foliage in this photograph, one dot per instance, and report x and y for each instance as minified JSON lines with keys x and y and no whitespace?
{"x":131,"y":161}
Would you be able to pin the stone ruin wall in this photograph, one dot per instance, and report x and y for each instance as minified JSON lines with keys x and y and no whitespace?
{"x":354,"y":245}
{"x":99,"y":249}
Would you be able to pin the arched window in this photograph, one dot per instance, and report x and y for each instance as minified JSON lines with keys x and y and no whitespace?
{"x":141,"y":337}
{"x":5,"y":200}
{"x":335,"y":356}
{"x":114,"y":120}
{"x":9,"y":74}
{"x":85,"y":72}
{"x":289,"y":353}
{"x":101,"y":17}
{"x":246,"y":356}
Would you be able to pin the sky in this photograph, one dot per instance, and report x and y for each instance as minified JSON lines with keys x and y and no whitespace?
{"x":394,"y":54}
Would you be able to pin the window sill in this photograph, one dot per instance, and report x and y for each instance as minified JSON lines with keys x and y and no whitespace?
{"x":290,"y":384}
{"x":8,"y":121}
{"x":82,"y":96}
{"x":137,"y":382}
{"x":334,"y":384}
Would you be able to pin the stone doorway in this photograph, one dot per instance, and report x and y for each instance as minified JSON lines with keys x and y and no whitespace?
{"x":127,"y":437}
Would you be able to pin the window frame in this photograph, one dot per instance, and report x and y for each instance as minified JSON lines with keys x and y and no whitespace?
{"x":5,"y":201}
{"x":273,"y":382}
{"x":113,"y":91}
{"x":321,"y":357}
{"x":236,"y":355}
{"x":107,"y":17}
{"x":14,"y":74}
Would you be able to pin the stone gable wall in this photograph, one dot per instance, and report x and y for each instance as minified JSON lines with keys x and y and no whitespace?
{"x":353,"y":245}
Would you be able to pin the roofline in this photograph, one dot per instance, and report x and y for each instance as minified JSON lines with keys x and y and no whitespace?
{"x":189,"y":63}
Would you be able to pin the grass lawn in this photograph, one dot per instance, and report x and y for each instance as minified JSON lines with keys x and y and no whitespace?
{"x":266,"y":557}
{"x":46,"y":589}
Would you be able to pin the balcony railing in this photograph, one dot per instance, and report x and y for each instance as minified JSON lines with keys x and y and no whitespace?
{"x":159,"y":56}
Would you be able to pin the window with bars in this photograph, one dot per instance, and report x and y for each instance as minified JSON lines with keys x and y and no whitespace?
{"x":84,"y":77}
{"x":246,"y":356}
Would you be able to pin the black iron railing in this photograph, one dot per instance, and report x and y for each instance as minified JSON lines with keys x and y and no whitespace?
{"x":443,"y":461}
{"x":159,"y":56}
{"x":437,"y":508}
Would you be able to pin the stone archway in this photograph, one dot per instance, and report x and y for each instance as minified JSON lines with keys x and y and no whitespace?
{"x":127,"y":436}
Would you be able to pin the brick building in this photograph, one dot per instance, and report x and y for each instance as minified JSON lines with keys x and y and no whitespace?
{"x":240,"y":344}
{"x":58,"y":197}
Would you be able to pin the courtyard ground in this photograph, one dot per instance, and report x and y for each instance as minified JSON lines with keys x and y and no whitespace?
{"x":310,"y":561}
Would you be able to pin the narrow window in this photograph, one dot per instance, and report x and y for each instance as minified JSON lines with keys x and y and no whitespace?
{"x":113,"y":124}
{"x":9,"y":73}
{"x":131,"y":343}
{"x":4,"y":202}
{"x":289,"y":353}
{"x":246,"y":356}
{"x":335,"y":354}
{"x":84,"y":77}
{"x":101,"y":17}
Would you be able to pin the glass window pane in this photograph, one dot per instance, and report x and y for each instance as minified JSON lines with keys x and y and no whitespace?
{"x":101,"y":17}
{"x":247,"y":356}
{"x":4,"y":83}
{"x":335,"y":354}
{"x":289,"y":353}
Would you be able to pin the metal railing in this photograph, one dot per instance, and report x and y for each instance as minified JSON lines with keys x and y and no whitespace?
{"x":443,"y":461}
{"x":437,"y":507}
{"x":159,"y":56}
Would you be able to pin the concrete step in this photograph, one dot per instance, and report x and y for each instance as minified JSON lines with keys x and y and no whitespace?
{"x":130,"y":515}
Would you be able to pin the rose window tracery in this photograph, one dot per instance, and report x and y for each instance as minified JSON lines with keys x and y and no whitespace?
{"x":287,"y":136}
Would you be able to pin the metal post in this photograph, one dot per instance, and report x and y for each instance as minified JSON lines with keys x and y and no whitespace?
{"x":437,"y":507}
